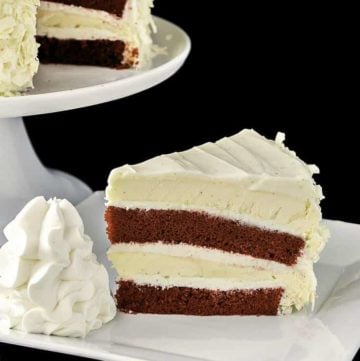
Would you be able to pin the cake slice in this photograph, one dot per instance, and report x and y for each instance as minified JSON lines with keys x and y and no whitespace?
{"x":111,"y":33}
{"x":18,"y":48}
{"x":226,"y":228}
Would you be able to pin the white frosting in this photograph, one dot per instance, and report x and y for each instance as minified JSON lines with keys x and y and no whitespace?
{"x":74,"y":22}
{"x":18,"y":48}
{"x":265,"y":165}
{"x":50,"y":281}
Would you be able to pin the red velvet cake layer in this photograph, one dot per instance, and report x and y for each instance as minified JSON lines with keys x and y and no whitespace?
{"x":203,"y":230}
{"x":83,"y":52}
{"x":133,"y":298}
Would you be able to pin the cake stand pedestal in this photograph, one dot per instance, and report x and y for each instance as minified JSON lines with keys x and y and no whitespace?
{"x":59,"y":88}
{"x":23,"y":176}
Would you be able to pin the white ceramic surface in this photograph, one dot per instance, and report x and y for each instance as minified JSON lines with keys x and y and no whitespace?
{"x":331,"y":332}
{"x":63,"y":87}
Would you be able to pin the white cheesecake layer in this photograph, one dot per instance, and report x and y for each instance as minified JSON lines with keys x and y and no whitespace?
{"x":61,"y":21}
{"x":163,"y":270}
{"x":183,"y":250}
{"x":18,"y":48}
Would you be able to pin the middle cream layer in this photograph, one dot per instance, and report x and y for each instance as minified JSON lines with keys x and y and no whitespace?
{"x":189,"y":266}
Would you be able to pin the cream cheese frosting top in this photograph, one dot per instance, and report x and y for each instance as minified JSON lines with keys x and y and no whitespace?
{"x":50,"y":281}
{"x":261,"y":164}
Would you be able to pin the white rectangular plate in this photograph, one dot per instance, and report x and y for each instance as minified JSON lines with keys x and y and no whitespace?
{"x":331,"y":332}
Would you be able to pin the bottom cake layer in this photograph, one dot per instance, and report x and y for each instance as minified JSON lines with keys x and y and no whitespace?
{"x":134,"y":298}
{"x":107,"y":53}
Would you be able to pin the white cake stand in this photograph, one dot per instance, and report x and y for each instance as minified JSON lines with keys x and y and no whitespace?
{"x":59,"y":88}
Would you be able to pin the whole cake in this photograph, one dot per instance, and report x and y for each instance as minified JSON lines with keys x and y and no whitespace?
{"x":111,"y":33}
{"x":225,"y":228}
{"x":18,"y":48}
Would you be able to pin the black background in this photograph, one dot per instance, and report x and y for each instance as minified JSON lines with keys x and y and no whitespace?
{"x":259,"y":67}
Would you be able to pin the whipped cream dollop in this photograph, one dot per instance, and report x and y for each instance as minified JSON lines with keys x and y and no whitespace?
{"x":50,"y":280}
